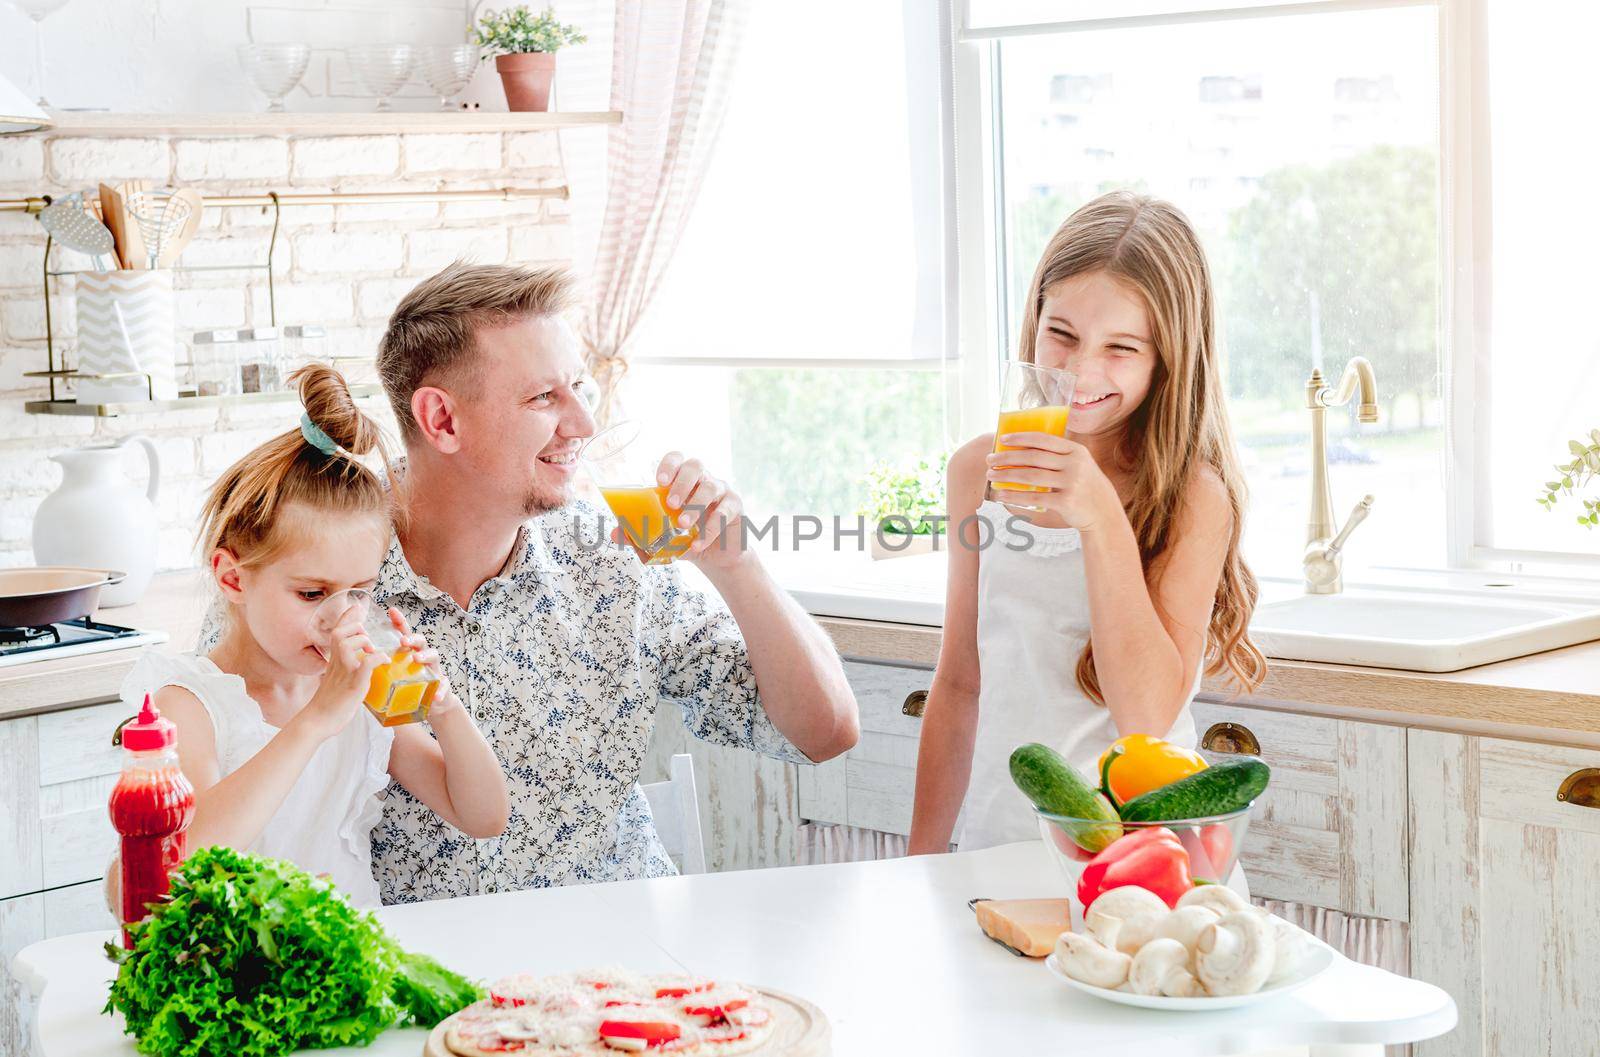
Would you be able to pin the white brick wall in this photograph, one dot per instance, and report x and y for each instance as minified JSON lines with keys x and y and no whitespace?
{"x":343,"y":267}
{"x":342,"y":156}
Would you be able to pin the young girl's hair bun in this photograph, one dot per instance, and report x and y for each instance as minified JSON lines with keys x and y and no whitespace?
{"x":330,"y":407}
{"x":317,"y":466}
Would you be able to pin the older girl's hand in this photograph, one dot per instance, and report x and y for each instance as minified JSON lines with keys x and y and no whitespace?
{"x":1078,"y":491}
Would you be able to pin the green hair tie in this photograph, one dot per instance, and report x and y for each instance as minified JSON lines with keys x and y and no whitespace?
{"x":315,"y":437}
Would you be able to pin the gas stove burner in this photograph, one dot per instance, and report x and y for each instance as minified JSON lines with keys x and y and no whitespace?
{"x":29,"y":636}
{"x":68,"y":638}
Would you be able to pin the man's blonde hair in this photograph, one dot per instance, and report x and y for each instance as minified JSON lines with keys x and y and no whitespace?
{"x":432,"y":334}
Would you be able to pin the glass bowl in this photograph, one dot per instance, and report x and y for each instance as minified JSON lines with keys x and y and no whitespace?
{"x":1212,"y":843}
{"x":448,"y":68}
{"x":381,"y":69}
{"x":274,"y":69}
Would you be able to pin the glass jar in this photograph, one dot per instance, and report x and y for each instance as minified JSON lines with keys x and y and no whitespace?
{"x":260,"y":360}
{"x":303,"y":344}
{"x":216,"y":363}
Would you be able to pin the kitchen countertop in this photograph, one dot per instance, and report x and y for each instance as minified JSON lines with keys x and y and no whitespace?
{"x":888,"y":950}
{"x":1545,"y":694}
{"x":174,"y":603}
{"x":1552,"y":695}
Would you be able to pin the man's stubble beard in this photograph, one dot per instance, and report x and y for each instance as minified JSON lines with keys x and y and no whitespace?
{"x":544,"y":500}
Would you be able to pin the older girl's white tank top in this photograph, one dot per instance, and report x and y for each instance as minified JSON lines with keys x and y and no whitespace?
{"x":1033,"y":622}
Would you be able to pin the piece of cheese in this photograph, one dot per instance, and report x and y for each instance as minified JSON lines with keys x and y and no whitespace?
{"x":1027,"y":925}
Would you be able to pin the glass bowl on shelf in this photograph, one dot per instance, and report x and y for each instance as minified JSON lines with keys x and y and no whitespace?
{"x":448,"y":69}
{"x":381,"y":69}
{"x":274,"y":69}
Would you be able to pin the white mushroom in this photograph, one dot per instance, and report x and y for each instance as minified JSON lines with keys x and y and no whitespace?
{"x":1220,"y":898}
{"x":1090,"y":962}
{"x":1292,"y":946}
{"x":1185,"y":925}
{"x":1111,"y":918}
{"x":1234,"y":954}
{"x":1162,"y":968}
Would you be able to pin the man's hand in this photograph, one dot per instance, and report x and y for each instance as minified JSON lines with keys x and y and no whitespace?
{"x":706,"y":502}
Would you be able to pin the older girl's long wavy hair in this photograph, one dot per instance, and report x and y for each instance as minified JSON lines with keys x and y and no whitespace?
{"x":1150,"y":246}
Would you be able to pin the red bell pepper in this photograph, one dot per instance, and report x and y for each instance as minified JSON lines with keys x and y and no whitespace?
{"x":1150,"y":858}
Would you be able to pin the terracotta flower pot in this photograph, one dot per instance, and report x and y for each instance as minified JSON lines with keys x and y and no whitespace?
{"x":526,"y":77}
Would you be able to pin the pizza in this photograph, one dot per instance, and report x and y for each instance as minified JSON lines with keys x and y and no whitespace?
{"x":611,"y":1011}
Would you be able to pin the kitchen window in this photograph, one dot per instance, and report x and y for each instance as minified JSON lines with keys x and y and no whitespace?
{"x":803,"y":332}
{"x":1351,"y":168}
{"x":1361,"y":187}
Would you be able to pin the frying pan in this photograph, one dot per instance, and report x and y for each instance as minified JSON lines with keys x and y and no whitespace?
{"x":46,"y":594}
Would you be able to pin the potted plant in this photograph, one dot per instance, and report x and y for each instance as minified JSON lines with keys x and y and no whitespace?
{"x":900,"y":500}
{"x":524,"y":48}
{"x":1581,"y":471}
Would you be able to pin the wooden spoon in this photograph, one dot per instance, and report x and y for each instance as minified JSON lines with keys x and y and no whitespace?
{"x":115,"y":215}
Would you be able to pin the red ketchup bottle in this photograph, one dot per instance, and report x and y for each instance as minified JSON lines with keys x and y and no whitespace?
{"x":151,"y":806}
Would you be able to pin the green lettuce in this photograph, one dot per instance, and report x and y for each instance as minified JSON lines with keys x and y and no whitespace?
{"x":253,"y":957}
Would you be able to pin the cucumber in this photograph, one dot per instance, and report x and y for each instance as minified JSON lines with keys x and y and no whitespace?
{"x":1054,"y":786}
{"x":1220,"y":789}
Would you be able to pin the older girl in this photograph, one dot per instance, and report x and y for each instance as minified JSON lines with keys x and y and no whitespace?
{"x":1095,"y":618}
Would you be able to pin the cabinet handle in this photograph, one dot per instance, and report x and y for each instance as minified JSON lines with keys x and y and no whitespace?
{"x":116,"y":735}
{"x":1233,"y":738}
{"x":915,"y":702}
{"x":1581,"y":788}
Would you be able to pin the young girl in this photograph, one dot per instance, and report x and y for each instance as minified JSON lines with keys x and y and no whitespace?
{"x":1094,"y":619}
{"x":284,"y":759}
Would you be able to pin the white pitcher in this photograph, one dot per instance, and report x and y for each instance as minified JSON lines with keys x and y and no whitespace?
{"x":100,"y":519}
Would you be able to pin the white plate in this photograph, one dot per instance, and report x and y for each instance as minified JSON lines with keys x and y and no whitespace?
{"x":1320,"y":961}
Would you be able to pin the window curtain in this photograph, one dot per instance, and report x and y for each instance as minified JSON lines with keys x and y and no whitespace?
{"x":672,"y":63}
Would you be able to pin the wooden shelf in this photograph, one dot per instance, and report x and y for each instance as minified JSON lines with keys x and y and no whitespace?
{"x":146,"y":407}
{"x":100,"y":123}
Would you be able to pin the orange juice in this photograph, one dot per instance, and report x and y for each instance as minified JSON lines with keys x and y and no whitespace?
{"x":1051,"y":419}
{"x":648,"y":521}
{"x":401,"y":690}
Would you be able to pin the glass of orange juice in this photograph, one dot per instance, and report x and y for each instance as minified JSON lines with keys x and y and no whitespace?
{"x":625,"y":475}
{"x":401,"y":690}
{"x":1033,"y":399}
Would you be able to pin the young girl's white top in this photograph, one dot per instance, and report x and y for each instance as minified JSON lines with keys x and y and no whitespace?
{"x":1033,"y":622}
{"x":325,"y":824}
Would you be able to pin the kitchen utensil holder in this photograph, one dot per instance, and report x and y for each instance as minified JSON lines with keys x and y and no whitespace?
{"x":126,"y":331}
{"x":273,"y":200}
{"x":52,"y":372}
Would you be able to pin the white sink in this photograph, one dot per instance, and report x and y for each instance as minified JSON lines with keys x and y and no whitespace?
{"x":1421,"y":631}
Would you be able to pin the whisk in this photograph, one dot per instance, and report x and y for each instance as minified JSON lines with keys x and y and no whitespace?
{"x":167,"y":219}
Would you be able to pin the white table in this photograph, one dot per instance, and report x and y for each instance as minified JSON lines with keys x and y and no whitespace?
{"x":888,"y":949}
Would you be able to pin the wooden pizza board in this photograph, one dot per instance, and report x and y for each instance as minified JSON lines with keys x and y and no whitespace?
{"x":799,"y":1029}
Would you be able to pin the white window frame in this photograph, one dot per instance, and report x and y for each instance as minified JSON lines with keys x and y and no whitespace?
{"x":1464,"y":251}
{"x":937,"y":70}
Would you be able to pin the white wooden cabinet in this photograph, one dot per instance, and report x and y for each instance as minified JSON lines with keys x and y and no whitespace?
{"x":1505,"y":879}
{"x":1330,"y":831}
{"x":56,"y":774}
{"x":871,"y":785}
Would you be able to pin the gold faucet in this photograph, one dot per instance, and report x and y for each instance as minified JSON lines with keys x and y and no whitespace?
{"x":1324,"y":542}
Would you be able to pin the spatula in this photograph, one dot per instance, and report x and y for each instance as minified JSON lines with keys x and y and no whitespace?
{"x":129,"y":246}
{"x":72,"y":226}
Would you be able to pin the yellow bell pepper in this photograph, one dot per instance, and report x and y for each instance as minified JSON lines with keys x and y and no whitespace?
{"x":1144,"y":763}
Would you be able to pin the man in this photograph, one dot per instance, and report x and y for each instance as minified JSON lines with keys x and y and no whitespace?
{"x":563,"y":649}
